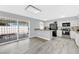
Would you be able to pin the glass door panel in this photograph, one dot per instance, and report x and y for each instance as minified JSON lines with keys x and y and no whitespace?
{"x":8,"y":30}
{"x":22,"y":29}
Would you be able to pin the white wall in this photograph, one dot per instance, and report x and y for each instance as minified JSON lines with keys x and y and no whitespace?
{"x":34,"y":23}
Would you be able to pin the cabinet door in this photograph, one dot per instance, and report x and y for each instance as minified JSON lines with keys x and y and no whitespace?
{"x":74,"y":23}
{"x":59,"y":33}
{"x":72,"y":34}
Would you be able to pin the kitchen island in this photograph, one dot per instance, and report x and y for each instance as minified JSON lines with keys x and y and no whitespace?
{"x":44,"y":34}
{"x":74,"y":34}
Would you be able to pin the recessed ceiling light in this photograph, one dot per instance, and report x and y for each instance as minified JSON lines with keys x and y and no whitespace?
{"x":32,"y":9}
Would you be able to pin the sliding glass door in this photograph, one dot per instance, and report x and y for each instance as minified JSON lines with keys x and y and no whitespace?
{"x":8,"y":30}
{"x":23,"y":29}
{"x":12,"y":29}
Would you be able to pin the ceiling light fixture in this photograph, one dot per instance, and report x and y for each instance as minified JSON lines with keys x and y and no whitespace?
{"x":33,"y":9}
{"x":62,"y":16}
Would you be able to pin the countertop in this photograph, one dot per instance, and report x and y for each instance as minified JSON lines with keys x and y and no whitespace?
{"x":43,"y":30}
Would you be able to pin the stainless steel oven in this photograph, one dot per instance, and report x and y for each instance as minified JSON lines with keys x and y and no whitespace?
{"x":66,"y":31}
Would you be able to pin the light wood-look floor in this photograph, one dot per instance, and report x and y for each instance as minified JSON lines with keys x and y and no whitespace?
{"x":41,"y":46}
{"x":54,"y":46}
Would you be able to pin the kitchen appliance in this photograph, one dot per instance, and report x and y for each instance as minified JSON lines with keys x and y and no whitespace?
{"x":65,"y":24}
{"x":66,"y":28}
{"x":54,"y":33}
{"x":53,"y":26}
{"x":66,"y":31}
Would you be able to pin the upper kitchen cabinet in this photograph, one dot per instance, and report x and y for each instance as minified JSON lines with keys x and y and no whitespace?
{"x":73,"y":23}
